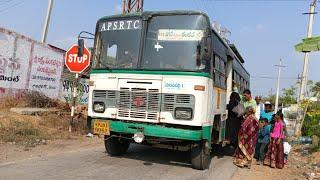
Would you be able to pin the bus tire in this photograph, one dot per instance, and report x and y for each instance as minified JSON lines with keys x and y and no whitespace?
{"x":116,"y":147}
{"x":200,"y":156}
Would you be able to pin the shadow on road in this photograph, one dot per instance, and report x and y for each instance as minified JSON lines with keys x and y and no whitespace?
{"x":150,"y":155}
{"x":220,"y":151}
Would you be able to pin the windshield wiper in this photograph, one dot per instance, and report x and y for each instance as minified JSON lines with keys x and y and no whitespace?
{"x":104,"y":65}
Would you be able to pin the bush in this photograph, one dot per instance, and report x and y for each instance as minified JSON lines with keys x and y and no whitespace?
{"x":37,"y":99}
{"x":311,"y":124}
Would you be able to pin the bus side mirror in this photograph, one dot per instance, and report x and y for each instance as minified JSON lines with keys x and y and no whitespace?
{"x":80,"y":47}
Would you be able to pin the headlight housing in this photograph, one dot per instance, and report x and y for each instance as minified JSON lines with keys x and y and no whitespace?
{"x":183,"y":113}
{"x":98,"y":107}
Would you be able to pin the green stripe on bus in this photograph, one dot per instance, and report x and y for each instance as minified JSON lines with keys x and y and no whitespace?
{"x":156,"y":130}
{"x":206,"y":133}
{"x":179,"y":73}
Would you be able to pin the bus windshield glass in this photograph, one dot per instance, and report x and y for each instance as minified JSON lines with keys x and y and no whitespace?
{"x":117,"y":44}
{"x":171,"y":42}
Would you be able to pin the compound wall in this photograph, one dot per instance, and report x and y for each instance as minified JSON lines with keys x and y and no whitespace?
{"x":26,"y":64}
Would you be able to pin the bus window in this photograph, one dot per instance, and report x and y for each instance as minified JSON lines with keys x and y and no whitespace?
{"x":220,"y":72}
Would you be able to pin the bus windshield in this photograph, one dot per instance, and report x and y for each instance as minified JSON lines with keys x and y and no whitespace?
{"x":117,"y":44}
{"x":171,"y":42}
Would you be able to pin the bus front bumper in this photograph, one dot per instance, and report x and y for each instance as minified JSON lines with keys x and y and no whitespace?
{"x":153,"y":130}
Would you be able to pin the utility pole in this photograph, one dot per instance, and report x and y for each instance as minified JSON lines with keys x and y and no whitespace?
{"x":46,"y":22}
{"x":306,"y":55}
{"x":278,"y":85}
{"x":132,"y":6}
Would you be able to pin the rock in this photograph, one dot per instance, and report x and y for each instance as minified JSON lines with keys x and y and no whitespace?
{"x":315,"y":141}
{"x":305,"y":174}
{"x":33,"y":111}
{"x":43,"y":141}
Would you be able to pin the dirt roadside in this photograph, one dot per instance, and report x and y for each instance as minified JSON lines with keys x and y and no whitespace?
{"x":10,"y":152}
{"x":23,"y":137}
{"x":302,"y":164}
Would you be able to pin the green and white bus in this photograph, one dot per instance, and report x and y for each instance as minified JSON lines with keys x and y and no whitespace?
{"x":162,"y":79}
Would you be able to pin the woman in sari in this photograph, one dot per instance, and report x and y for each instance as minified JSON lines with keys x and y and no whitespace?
{"x":247,"y":139}
{"x":275,"y":156}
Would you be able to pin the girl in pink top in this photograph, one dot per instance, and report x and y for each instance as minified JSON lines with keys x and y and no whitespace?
{"x":275,"y":156}
{"x":278,"y":130}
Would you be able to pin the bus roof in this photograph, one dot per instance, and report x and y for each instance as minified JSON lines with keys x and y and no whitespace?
{"x":154,"y":13}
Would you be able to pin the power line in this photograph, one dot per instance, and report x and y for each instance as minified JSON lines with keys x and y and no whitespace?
{"x":12,"y":6}
{"x":5,"y":2}
{"x":272,"y":77}
{"x":253,"y":0}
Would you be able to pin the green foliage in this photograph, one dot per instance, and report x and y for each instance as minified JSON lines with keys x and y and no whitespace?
{"x":316,"y":89}
{"x":311,"y":124}
{"x":289,"y":96}
{"x":271,"y":98}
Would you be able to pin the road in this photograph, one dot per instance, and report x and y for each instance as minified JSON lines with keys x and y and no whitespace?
{"x":141,"y":162}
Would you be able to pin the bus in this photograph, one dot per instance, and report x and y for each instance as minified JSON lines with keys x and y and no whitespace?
{"x":162,"y":79}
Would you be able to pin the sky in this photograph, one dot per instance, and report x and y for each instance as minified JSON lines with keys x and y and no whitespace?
{"x":263,"y":31}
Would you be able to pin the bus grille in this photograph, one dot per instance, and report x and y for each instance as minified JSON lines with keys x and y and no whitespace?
{"x":171,"y":101}
{"x":139,"y":103}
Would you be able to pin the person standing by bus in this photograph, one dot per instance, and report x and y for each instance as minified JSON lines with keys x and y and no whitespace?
{"x":248,"y":101}
{"x":263,"y":140}
{"x":275,"y":154}
{"x":247,"y":139}
{"x":267,"y":112}
{"x":233,"y":121}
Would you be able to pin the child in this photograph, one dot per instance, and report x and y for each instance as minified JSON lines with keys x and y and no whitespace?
{"x":287,"y":148}
{"x":274,"y":156}
{"x":263,"y":139}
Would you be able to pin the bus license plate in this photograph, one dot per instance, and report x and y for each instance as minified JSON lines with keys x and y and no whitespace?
{"x":101,"y":127}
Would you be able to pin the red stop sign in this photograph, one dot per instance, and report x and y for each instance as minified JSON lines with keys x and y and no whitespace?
{"x":74,"y":63}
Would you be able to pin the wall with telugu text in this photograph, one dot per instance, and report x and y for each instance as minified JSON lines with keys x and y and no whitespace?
{"x":26,"y":64}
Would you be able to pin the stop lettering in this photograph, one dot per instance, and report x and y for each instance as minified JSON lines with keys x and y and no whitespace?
{"x":74,"y":63}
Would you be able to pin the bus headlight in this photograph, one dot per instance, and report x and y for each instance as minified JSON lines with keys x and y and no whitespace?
{"x":183,"y":113}
{"x":98,"y":107}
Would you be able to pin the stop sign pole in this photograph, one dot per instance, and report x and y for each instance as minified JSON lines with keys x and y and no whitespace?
{"x":76,"y":65}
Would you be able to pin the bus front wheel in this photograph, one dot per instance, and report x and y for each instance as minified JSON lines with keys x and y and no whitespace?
{"x":116,"y":146}
{"x":200,"y":156}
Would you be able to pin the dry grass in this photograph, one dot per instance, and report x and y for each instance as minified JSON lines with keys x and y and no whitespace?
{"x":9,"y":102}
{"x":28,"y":130}
{"x":23,"y":129}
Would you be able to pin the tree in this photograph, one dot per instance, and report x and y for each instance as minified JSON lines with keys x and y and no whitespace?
{"x":309,"y":88}
{"x":271,"y":98}
{"x":316,"y":89}
{"x":288,"y":96}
